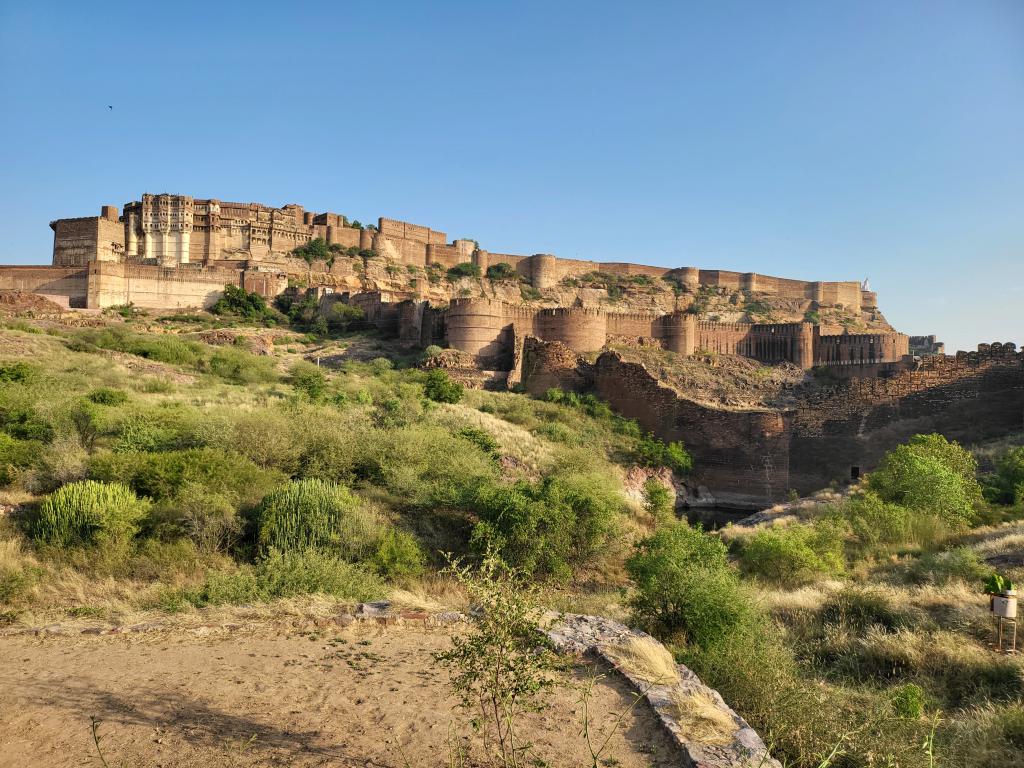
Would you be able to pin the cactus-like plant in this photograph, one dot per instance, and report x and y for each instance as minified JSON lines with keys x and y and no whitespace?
{"x":88,"y":512}
{"x":316,"y":514}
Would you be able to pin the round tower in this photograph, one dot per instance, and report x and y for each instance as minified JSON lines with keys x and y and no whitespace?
{"x":477,"y":326}
{"x":678,"y":332}
{"x":582,"y":330}
{"x":543,"y":271}
{"x":691,"y":278}
{"x":481,"y":259}
{"x":805,"y":346}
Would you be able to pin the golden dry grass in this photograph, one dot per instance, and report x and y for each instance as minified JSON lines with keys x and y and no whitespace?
{"x":701,"y":719}
{"x":644,"y":658}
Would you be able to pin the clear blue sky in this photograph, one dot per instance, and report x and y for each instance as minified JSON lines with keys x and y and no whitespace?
{"x":821,"y":140}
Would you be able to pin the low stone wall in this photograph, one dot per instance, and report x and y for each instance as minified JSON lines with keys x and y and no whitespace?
{"x":594,"y":635}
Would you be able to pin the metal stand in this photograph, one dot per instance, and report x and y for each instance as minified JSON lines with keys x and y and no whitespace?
{"x":1006,"y":635}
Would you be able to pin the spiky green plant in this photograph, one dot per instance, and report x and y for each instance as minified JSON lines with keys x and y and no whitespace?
{"x":317,"y":514}
{"x":88,"y":512}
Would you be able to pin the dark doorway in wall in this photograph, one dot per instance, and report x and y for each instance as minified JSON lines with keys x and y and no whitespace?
{"x":855,"y":473}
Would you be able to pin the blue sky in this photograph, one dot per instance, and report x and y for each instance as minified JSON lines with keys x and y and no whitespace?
{"x":820,"y":140}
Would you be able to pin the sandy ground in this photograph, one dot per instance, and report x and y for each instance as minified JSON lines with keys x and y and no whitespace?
{"x":359,"y":696}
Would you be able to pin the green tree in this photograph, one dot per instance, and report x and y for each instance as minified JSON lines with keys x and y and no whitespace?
{"x":930,"y":475}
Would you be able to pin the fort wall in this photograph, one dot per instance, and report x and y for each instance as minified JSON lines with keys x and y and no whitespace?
{"x":752,"y":458}
{"x":70,"y":282}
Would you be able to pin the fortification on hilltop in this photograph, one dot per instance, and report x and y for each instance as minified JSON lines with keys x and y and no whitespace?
{"x":166,"y":251}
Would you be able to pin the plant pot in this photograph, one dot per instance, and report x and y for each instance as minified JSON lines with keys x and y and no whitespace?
{"x":1004,"y":606}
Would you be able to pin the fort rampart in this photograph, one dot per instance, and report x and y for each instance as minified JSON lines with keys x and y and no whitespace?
{"x":749,"y":458}
{"x":484,"y":328}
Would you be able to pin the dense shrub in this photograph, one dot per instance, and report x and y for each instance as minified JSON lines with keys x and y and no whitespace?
{"x":1006,"y":484}
{"x":161,"y":475}
{"x":547,"y":528}
{"x":501,"y":271}
{"x":440,"y":388}
{"x":652,"y":452}
{"x":237,"y":301}
{"x":240,"y":367}
{"x":15,"y":455}
{"x":315,"y":250}
{"x":287,"y":574}
{"x":16,"y":373}
{"x":659,"y":501}
{"x":684,"y":586}
{"x":108,"y":396}
{"x":308,"y":379}
{"x":399,"y":554}
{"x":209,"y":518}
{"x":930,"y":475}
{"x":342,"y":316}
{"x":315,"y":514}
{"x":481,"y":438}
{"x":957,"y":564}
{"x":907,"y":701}
{"x":465,"y":269}
{"x":88,"y":512}
{"x":795,"y":553}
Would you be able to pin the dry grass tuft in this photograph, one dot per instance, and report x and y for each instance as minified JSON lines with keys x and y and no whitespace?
{"x":645,"y":659}
{"x":701,"y":719}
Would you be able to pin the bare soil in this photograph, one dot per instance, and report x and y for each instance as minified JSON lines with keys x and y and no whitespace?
{"x":358,"y":696}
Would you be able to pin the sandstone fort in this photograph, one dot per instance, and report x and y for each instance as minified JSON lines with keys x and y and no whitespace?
{"x":538,"y":321}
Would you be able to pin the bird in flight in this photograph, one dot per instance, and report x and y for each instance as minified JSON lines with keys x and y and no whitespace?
{"x":110,"y":106}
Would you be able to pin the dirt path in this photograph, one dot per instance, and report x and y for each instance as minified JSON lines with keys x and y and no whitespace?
{"x":335,"y":698}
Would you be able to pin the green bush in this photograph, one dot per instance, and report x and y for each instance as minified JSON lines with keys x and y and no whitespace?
{"x":161,"y":475}
{"x":287,"y":574}
{"x":659,"y":501}
{"x":501,"y":271}
{"x":315,"y":250}
{"x":108,"y":396}
{"x":88,"y":512}
{"x":684,"y":586}
{"x":465,"y":269}
{"x":440,"y":388}
{"x":652,"y":452}
{"x":16,"y":373}
{"x":1006,"y":484}
{"x":381,"y":365}
{"x":548,"y":528}
{"x":907,"y":701}
{"x":399,"y":555}
{"x":796,"y":553}
{"x":958,"y":564}
{"x":15,"y":455}
{"x":930,"y":475}
{"x":341,"y":316}
{"x":237,"y":301}
{"x":308,"y":379}
{"x":315,"y":514}
{"x":237,"y":366}
{"x":481,"y":438}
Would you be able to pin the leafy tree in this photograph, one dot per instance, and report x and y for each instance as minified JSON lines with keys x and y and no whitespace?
{"x":1006,"y":484}
{"x":315,"y":250}
{"x":930,"y":475}
{"x":238,"y":301}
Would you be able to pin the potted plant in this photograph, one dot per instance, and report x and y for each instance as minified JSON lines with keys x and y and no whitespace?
{"x":1002,"y":596}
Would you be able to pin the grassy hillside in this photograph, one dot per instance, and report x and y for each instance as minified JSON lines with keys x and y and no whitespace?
{"x":160,"y":465}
